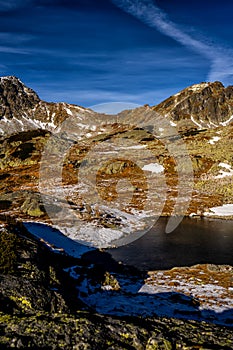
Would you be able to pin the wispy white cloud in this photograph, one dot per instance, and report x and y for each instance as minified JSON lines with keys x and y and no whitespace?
{"x":113,"y":107}
{"x":88,"y":98}
{"x":14,"y":50}
{"x":12,"y":43}
{"x":18,"y":38}
{"x":221,"y":66}
{"x":9,"y":5}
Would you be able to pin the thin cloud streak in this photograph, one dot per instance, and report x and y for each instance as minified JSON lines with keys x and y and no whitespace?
{"x":9,"y":5}
{"x":6,"y":37}
{"x":150,"y":14}
{"x":98,"y":96}
{"x":6,"y":49}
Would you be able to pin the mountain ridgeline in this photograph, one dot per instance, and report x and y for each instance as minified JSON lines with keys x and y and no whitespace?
{"x":21,"y":109}
{"x":204,"y":105}
{"x":202,"y":114}
{"x":207,"y":105}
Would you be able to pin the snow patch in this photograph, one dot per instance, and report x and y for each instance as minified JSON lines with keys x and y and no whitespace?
{"x":159,"y":298}
{"x":68,"y":111}
{"x":223,"y":173}
{"x":83,"y":126}
{"x":198,"y":87}
{"x":224,"y":210}
{"x":56,"y":240}
{"x":86,"y":110}
{"x":211,"y":123}
{"x":44,"y":125}
{"x":172,"y":123}
{"x":136,"y":147}
{"x":225,"y":165}
{"x":153,"y":167}
{"x":227,"y":121}
{"x":214,"y":139}
{"x":199,"y":125}
{"x":92,"y":235}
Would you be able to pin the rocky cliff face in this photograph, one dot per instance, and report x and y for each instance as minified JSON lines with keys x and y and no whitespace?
{"x":205,"y":105}
{"x":15,"y":98}
{"x":21,"y":109}
{"x":17,"y":103}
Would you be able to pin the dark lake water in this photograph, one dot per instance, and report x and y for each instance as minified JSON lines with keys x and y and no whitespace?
{"x":194,"y":241}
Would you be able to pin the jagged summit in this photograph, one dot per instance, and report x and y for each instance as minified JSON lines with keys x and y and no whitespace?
{"x":11,"y":82}
{"x":15,"y":97}
{"x":205,"y":105}
{"x":21,"y":108}
{"x":11,"y":78}
{"x":204,"y":84}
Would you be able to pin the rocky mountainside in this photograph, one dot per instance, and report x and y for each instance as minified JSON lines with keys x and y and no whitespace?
{"x":16,"y":99}
{"x":21,"y":109}
{"x":26,"y":124}
{"x":205,"y":105}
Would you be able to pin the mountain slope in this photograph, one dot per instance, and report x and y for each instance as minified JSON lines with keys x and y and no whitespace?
{"x":210,"y":151}
{"x":21,"y":109}
{"x":205,"y":105}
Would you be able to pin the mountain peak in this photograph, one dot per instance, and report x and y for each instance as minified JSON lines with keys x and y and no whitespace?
{"x":12,"y":82}
{"x":12,"y":78}
{"x":21,"y":109}
{"x":199,"y":106}
{"x":15,"y":97}
{"x":203,"y":85}
{"x":205,"y":105}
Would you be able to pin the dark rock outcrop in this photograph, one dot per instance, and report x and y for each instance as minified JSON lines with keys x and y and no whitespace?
{"x":21,"y":109}
{"x":207,"y":105}
{"x":15,"y":98}
{"x":39,"y":308}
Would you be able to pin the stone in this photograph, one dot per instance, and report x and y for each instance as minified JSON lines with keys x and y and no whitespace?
{"x":32,"y":207}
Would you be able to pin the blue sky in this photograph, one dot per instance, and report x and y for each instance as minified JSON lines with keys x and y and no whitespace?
{"x":97,"y":51}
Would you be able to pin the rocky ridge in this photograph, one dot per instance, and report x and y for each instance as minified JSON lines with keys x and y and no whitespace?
{"x":26,"y":124}
{"x":22,"y":110}
{"x":204,"y":105}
